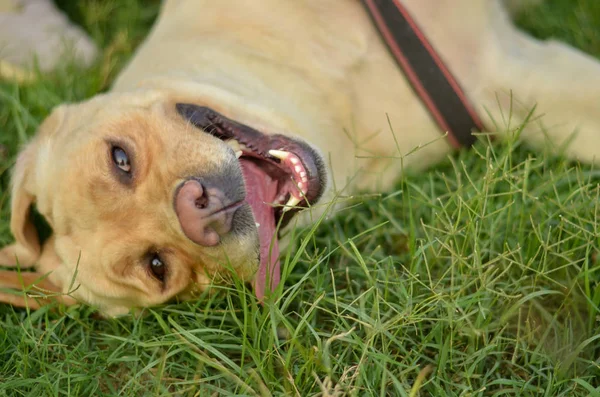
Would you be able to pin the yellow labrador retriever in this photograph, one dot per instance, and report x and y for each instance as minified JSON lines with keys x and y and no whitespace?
{"x":236,"y":114}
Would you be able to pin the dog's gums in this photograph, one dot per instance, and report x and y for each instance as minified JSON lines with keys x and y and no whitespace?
{"x":282,"y":176}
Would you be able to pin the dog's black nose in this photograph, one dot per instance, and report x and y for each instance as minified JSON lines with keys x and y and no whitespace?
{"x":205,"y":213}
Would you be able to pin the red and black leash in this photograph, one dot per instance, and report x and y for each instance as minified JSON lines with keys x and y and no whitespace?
{"x":428,"y":75}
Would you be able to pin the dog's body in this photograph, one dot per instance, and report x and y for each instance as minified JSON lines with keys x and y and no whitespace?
{"x":312,"y":69}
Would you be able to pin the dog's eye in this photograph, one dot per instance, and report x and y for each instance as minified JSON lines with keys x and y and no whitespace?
{"x":121,"y":159}
{"x":158,"y":267}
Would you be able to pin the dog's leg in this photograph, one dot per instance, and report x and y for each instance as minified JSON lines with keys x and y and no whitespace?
{"x":560,"y":81}
{"x":35,"y":289}
{"x":31,"y":290}
{"x":506,"y":73}
{"x":19,"y":300}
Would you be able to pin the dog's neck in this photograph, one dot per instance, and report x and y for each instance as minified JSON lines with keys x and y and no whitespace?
{"x":307,"y":68}
{"x":228,"y":68}
{"x":276,"y":76}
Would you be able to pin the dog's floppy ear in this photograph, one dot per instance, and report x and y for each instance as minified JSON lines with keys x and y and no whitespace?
{"x":26,"y":249}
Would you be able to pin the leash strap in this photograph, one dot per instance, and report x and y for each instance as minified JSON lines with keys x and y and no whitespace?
{"x":427,"y":74}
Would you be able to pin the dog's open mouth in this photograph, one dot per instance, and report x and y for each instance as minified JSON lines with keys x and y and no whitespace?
{"x":282,"y":176}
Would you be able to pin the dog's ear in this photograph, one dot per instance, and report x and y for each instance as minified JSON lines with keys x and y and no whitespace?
{"x":26,"y":249}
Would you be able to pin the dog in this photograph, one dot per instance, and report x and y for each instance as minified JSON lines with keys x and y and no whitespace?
{"x":233,"y":116}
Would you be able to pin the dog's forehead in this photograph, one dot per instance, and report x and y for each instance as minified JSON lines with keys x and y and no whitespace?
{"x":154,"y":124}
{"x":162,"y":154}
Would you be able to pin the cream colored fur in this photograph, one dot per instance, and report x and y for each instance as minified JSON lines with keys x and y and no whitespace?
{"x":318,"y":70}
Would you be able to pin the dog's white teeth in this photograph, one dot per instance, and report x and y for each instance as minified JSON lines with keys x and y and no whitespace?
{"x":299,"y":177}
{"x":292,"y":202}
{"x":280,"y":154}
{"x":237,"y":147}
{"x":257,"y":224}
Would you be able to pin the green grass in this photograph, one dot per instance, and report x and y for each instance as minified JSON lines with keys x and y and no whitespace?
{"x":477,"y":278}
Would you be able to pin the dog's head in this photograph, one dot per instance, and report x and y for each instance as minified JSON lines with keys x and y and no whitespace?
{"x":150,"y":199}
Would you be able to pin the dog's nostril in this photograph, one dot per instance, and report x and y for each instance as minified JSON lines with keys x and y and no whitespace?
{"x":203,"y":211}
{"x":202,"y":201}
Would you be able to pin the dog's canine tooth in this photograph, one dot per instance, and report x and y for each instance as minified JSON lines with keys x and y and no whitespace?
{"x":235,"y":145}
{"x":280,"y":154}
{"x":292,"y":202}
{"x":257,"y":224}
{"x":238,"y":154}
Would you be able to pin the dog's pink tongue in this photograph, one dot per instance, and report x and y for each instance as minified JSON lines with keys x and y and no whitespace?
{"x":260,"y":193}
